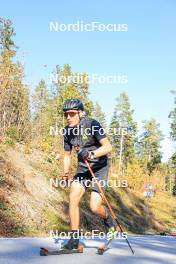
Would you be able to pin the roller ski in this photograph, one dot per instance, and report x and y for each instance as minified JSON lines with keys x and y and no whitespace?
{"x":71,"y":247}
{"x":47,"y":252}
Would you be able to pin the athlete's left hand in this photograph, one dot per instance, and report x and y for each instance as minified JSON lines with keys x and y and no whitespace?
{"x":83,"y":154}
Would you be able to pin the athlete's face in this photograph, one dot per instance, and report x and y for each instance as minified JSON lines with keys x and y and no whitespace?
{"x":72,"y":117}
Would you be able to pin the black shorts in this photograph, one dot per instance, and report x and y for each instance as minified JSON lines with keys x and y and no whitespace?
{"x":86,"y":180}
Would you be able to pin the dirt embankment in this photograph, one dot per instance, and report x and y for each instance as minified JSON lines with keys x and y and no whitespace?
{"x":29,"y":206}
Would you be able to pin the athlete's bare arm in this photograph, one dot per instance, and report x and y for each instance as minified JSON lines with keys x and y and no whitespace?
{"x":104,"y":149}
{"x":67,"y":162}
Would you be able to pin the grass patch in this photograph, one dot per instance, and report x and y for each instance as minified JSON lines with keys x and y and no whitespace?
{"x":53,"y":222}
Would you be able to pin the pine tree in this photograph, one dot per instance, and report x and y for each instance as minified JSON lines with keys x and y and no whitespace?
{"x":40,"y":96}
{"x":150,"y":144}
{"x":67,"y":88}
{"x":123,"y":130}
{"x":49,"y":115}
{"x":14,"y":99}
{"x":172,"y":116}
{"x":98,"y":115}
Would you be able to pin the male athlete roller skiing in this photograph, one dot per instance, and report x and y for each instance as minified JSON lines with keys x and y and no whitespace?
{"x":85,"y":136}
{"x":91,"y":145}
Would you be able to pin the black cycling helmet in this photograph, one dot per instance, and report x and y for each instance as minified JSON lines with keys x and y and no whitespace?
{"x":73,"y":104}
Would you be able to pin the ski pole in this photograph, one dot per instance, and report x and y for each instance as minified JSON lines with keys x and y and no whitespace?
{"x":108,"y":204}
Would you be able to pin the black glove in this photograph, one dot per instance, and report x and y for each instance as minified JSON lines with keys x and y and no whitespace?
{"x":83,"y":154}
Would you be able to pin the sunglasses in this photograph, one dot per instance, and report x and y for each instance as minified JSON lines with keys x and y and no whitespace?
{"x":71,"y":114}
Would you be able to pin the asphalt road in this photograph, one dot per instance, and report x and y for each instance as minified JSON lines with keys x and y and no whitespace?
{"x":148,"y":250}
